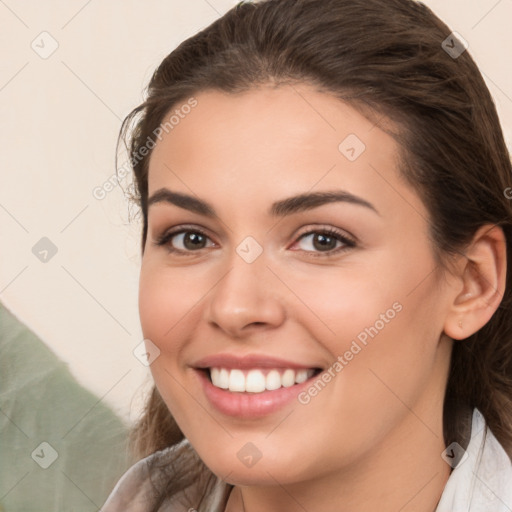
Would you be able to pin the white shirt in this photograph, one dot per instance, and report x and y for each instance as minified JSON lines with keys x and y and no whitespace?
{"x":481,"y":481}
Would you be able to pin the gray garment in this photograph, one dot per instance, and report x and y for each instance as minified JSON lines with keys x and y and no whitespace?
{"x":480,"y":482}
{"x":144,"y":481}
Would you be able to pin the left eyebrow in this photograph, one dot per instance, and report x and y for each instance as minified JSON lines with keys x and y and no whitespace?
{"x":308,"y":201}
{"x":282,"y":208}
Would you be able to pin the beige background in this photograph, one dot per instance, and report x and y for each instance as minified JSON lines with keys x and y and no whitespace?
{"x":60,"y":119}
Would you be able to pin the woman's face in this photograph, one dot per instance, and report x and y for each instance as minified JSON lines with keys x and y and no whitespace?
{"x":269,"y":280}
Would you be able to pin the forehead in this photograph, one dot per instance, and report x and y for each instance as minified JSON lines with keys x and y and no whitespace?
{"x":271,"y":142}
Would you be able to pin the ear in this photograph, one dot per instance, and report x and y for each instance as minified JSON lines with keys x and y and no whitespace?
{"x":482,"y":278}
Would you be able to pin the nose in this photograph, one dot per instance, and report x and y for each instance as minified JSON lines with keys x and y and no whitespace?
{"x":246,"y":299}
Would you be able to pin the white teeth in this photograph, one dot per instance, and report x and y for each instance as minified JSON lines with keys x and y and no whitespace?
{"x":288,"y":378}
{"x":214,"y":374}
{"x":221,"y":376}
{"x":236,"y":380}
{"x":224,"y":379}
{"x":273,"y":380}
{"x":301,"y":376}
{"x":255,"y":381}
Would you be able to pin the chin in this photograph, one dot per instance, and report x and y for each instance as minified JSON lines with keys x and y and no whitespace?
{"x":236,"y":467}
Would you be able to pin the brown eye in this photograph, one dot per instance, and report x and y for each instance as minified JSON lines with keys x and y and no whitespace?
{"x":192,"y":240}
{"x":327,"y":241}
{"x":183,"y":241}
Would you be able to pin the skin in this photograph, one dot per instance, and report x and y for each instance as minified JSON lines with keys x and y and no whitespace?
{"x":372,"y":438}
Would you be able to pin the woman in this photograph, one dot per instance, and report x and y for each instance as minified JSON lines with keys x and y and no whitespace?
{"x":324,"y":290}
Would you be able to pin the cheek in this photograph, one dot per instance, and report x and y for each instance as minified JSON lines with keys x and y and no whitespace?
{"x":155,"y":311}
{"x":165,"y":314}
{"x":374,"y":382}
{"x":343,"y":304}
{"x":166,"y":305}
{"x":383,"y":321}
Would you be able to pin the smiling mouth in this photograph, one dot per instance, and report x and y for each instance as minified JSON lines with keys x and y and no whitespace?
{"x":258,"y":380}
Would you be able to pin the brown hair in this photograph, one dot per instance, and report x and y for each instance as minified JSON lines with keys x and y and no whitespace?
{"x":386,"y":59}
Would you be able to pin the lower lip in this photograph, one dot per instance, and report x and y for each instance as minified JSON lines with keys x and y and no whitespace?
{"x":250,"y":405}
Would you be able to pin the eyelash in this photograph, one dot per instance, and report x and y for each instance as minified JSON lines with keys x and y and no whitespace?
{"x":349,"y":243}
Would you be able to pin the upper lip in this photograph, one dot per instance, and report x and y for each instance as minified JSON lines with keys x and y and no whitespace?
{"x":230,"y":361}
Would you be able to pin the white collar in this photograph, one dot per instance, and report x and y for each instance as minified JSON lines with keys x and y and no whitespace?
{"x":482,"y":481}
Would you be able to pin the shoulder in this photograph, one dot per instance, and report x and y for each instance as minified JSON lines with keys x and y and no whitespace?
{"x":482,"y":478}
{"x":493,"y":474}
{"x":141,"y":488}
{"x":135,"y":491}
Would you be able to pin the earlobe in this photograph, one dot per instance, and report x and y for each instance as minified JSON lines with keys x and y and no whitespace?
{"x":483,"y":277}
